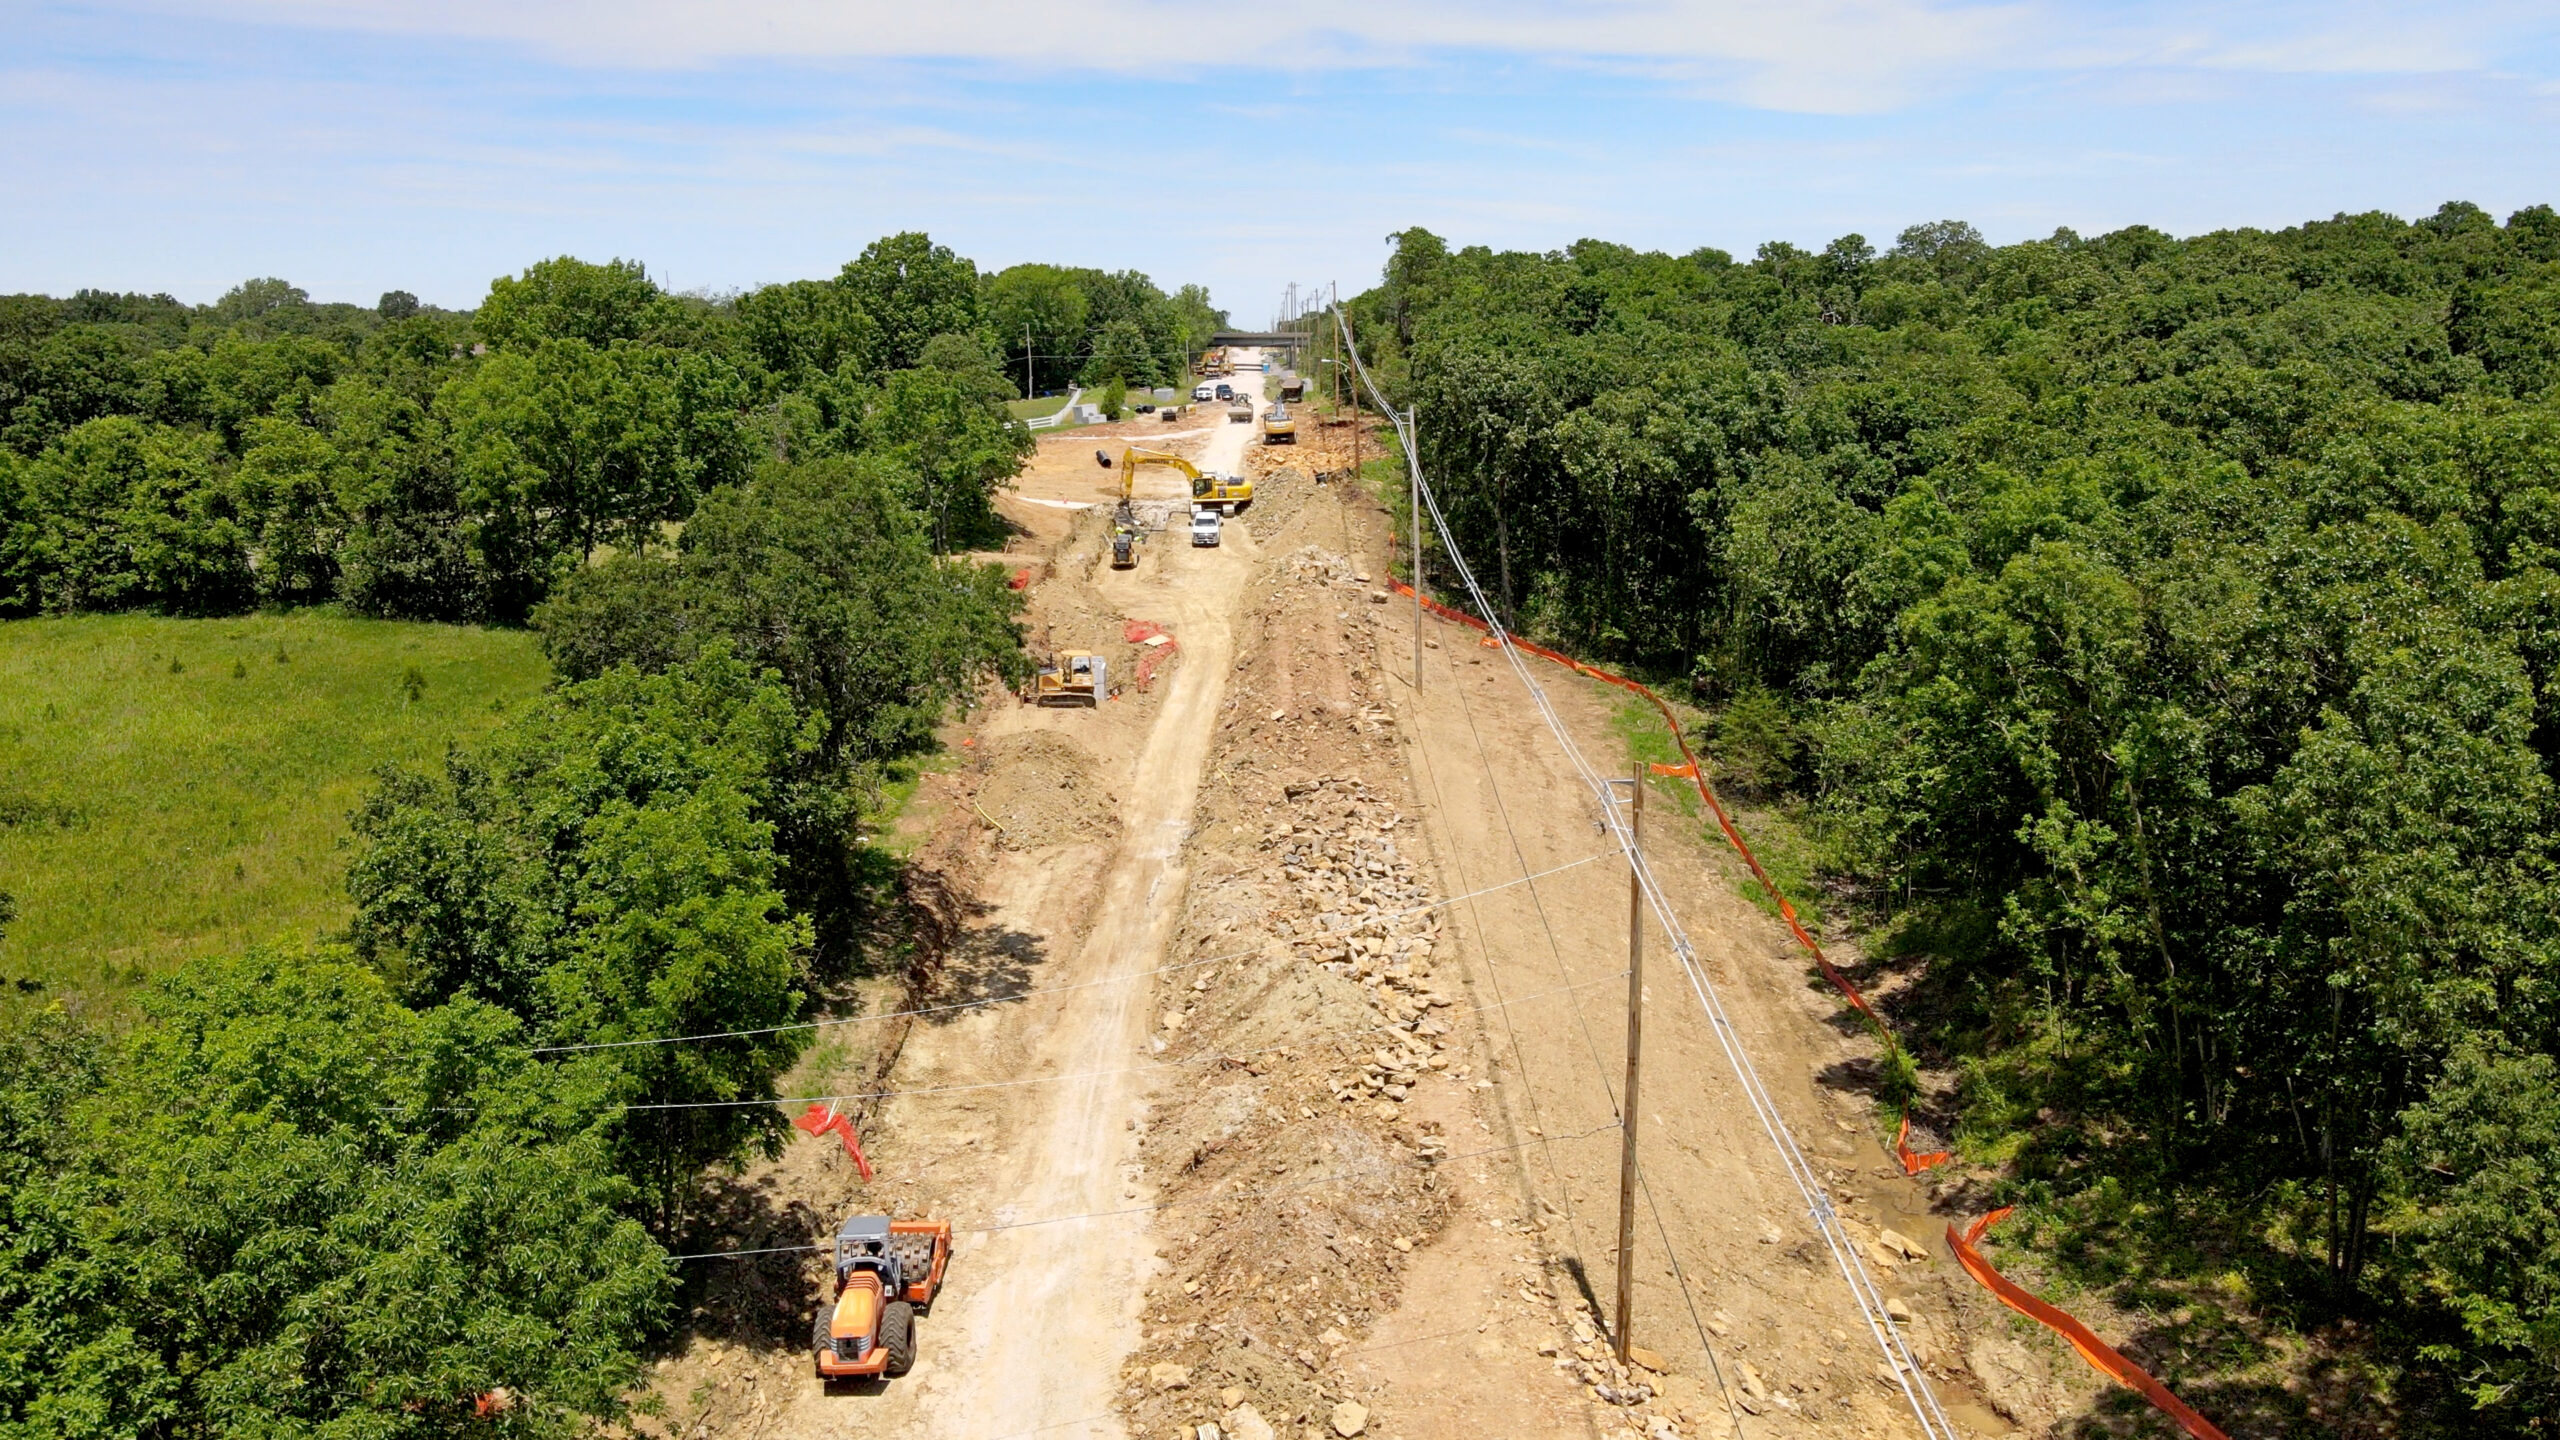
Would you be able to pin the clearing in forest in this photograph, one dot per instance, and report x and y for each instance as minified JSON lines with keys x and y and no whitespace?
{"x":172,"y":788}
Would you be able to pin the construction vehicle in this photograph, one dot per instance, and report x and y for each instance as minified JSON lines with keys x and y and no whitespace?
{"x":1278,"y":428}
{"x":1225,"y":492}
{"x":1213,"y":361}
{"x":887,"y":1272}
{"x":1071,"y":677}
{"x":1126,"y":533}
{"x":1292,"y":391}
{"x":1241,"y":412}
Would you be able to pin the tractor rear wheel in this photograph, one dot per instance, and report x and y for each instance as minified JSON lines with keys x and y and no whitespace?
{"x":898,"y":1335}
{"x":820,"y":1341}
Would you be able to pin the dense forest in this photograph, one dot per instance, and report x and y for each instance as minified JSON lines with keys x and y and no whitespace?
{"x":416,"y":463}
{"x":407,"y":1181}
{"x":2160,"y":637}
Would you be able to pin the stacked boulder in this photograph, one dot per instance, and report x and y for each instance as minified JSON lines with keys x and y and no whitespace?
{"x":1360,"y":909}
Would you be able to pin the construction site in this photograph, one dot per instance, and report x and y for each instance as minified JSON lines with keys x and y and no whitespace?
{"x":1270,"y":1084}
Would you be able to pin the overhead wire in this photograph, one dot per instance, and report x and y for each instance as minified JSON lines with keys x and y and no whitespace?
{"x":1255,"y":1193}
{"x":1301,"y":1043}
{"x":1007,"y":999}
{"x":1600,"y":1066}
{"x":1826,"y":1220}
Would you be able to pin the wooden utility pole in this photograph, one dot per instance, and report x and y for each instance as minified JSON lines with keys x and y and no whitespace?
{"x":1343,"y":384}
{"x":1635,"y":1051}
{"x":1413,"y":467}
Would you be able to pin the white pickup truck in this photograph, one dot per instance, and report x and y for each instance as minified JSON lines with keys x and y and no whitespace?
{"x":1205,"y":524}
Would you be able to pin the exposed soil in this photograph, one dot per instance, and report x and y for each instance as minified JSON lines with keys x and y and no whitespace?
{"x":1282,"y":1103}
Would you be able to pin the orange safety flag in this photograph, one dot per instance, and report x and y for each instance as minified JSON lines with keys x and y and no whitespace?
{"x":1913,"y":1164}
{"x":2101,"y":1356}
{"x":1679,"y":772}
{"x":824,"y":1119}
{"x":1139,"y":632}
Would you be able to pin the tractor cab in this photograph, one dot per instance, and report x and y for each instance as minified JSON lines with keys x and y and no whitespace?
{"x":862,"y":1244}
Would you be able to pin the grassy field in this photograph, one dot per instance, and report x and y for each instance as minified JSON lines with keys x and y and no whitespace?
{"x":172,"y":788}
{"x":1034,"y":409}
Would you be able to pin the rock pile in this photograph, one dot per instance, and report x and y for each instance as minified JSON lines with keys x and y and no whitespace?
{"x":1314,"y":562}
{"x":1359,"y":911}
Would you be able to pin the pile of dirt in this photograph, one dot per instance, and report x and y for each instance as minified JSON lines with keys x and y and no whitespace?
{"x":1314,"y":562}
{"x":1302,"y":1172}
{"x":1040,"y":789}
{"x":1302,"y":1179}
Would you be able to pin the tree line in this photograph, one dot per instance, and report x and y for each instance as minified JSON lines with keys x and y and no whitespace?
{"x":2161,"y":635}
{"x":415,"y":463}
{"x":418,"y":1178}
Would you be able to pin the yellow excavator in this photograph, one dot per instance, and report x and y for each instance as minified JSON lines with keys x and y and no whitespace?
{"x":1225,"y":493}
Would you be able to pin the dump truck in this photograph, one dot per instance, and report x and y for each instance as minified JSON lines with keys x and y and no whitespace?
{"x":1278,"y":427}
{"x":1241,"y":412}
{"x":1071,"y":677}
{"x":887,"y":1272}
{"x":1292,"y":391}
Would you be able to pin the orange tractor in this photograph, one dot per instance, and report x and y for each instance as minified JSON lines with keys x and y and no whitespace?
{"x":886,"y":1274}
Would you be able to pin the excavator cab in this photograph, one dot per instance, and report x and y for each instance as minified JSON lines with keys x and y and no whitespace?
{"x":1220,"y":492}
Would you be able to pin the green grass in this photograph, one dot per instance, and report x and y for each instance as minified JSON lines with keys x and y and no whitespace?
{"x":173,"y":788}
{"x":1034,"y":409}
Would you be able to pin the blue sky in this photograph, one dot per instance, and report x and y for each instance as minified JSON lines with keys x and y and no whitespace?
{"x":354,"y":146}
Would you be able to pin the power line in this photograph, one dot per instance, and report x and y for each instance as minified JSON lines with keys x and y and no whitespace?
{"x":1305,"y":1042}
{"x":1330,"y":1178}
{"x":1661,"y":1231}
{"x":1356,"y":924}
{"x":1819,"y":1209}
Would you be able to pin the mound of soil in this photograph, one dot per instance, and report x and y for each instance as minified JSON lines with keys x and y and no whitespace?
{"x":1043,"y":789}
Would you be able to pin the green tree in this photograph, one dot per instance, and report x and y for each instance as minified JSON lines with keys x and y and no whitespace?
{"x":1043,"y":308}
{"x":1120,"y":353}
{"x":951,"y":446}
{"x":286,"y":1205}
{"x":604,"y":869}
{"x":807,"y":330}
{"x":913,"y":290}
{"x":570,"y":299}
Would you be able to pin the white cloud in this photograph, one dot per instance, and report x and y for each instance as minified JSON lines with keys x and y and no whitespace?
{"x":1824,"y":55}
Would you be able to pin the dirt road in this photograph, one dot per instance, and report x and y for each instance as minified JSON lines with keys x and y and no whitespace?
{"x":1351,"y":1170}
{"x":1056,"y":1298}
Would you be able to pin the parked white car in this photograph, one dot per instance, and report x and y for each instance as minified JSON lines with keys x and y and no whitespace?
{"x":1204,"y":392}
{"x":1204,"y":526}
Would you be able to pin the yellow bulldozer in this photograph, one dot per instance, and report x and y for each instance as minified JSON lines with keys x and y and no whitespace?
{"x":1071,"y":677}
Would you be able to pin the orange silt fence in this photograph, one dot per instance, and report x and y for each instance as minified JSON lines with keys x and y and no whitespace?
{"x":2101,"y":1356}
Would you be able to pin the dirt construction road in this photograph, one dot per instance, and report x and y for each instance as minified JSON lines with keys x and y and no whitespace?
{"x":1047,"y":1309}
{"x":1292,"y":1108}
